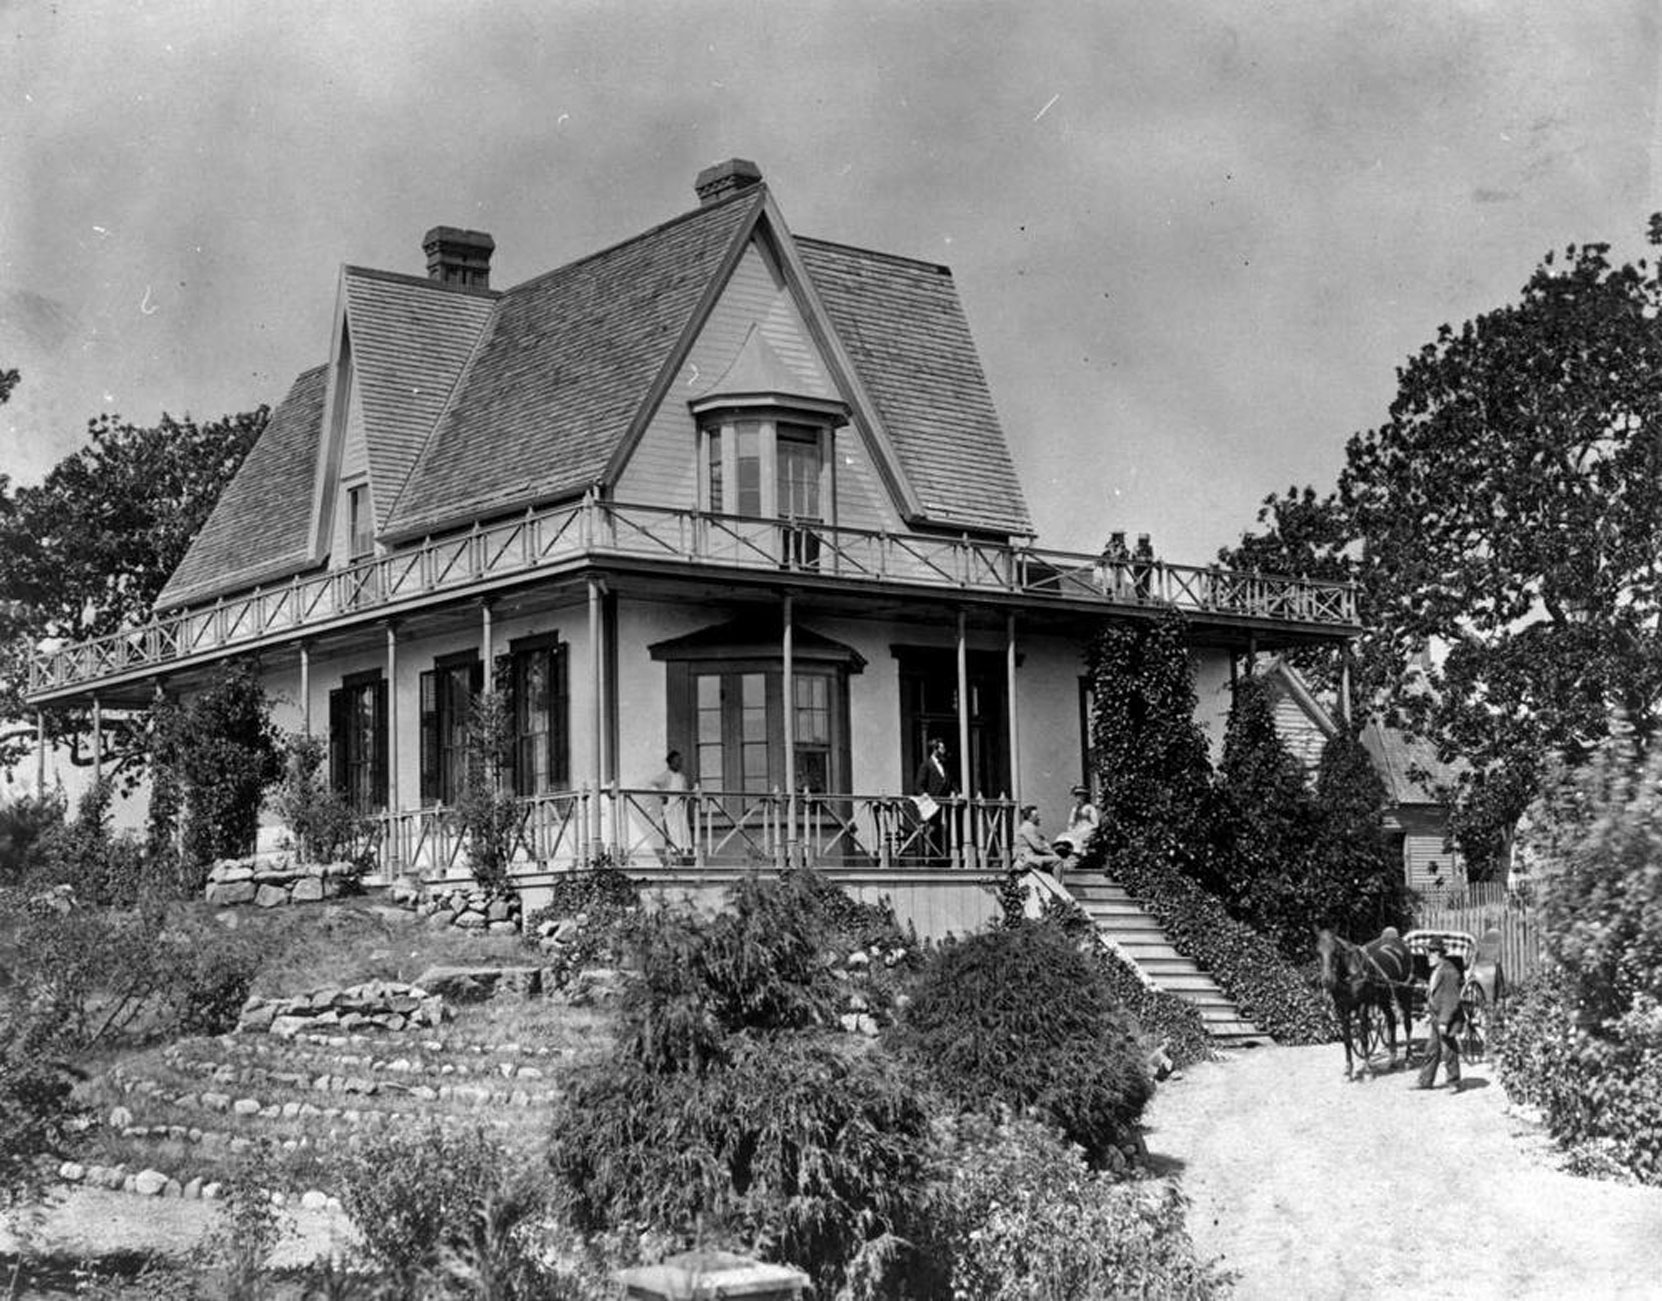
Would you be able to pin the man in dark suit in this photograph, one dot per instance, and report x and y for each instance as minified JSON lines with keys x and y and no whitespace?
{"x":1443,"y":1017}
{"x":933,"y":784}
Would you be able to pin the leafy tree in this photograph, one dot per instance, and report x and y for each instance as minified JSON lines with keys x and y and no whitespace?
{"x":1150,"y":754}
{"x":88,"y":550}
{"x":1507,"y":511}
{"x":1352,"y":878}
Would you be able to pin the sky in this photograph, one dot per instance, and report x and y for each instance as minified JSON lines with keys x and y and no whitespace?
{"x":1194,"y":240}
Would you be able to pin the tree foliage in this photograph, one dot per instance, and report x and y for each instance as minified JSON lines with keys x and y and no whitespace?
{"x":86,"y":552}
{"x":1506,"y":512}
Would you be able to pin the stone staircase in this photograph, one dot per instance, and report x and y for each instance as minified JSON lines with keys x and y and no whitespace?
{"x":1139,"y":936}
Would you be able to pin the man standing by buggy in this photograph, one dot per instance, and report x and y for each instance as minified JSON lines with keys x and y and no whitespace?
{"x":1442,"y":1017}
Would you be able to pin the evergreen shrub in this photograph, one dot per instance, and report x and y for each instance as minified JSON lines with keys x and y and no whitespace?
{"x":1018,"y":1214}
{"x":1018,"y":1017}
{"x":25,"y":822}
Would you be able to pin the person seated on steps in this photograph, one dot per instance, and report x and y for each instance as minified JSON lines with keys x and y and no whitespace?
{"x":1033,"y":852}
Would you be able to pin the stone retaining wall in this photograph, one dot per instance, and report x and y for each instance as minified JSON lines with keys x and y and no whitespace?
{"x":375,"y":1005}
{"x":270,"y":881}
{"x":466,"y":907}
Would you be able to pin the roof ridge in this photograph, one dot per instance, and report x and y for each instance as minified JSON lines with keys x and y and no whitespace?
{"x":940,"y":267}
{"x":752,"y":192}
{"x":421,"y":282}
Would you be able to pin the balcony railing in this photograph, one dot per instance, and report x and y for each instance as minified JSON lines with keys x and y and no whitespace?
{"x":636,"y":827}
{"x":597,"y":529}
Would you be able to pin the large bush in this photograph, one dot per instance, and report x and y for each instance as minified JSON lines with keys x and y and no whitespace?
{"x":25,"y":822}
{"x":37,"y":1110}
{"x":1267,"y":989}
{"x":1019,"y":1215}
{"x":732,"y":1113}
{"x":325,"y":826}
{"x":1017,"y":1017}
{"x":102,"y":866}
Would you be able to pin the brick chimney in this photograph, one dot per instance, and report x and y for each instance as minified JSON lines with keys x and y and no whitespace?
{"x":459,"y":257}
{"x":727,"y":178}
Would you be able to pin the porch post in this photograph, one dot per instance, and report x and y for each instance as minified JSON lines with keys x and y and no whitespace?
{"x":40,"y":752}
{"x":1010,"y":698}
{"x":963,"y":740}
{"x":392,"y":720}
{"x":97,"y":739}
{"x":305,"y":689}
{"x":485,"y":656}
{"x":789,"y":688}
{"x":597,"y":717}
{"x":1344,"y":688}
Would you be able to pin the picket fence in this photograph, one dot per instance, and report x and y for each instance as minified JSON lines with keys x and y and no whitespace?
{"x":1480,"y":907}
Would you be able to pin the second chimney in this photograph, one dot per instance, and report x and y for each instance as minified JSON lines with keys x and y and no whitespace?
{"x":459,"y":257}
{"x":726,"y":178}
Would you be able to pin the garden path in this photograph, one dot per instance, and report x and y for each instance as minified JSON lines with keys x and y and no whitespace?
{"x":1309,"y":1185}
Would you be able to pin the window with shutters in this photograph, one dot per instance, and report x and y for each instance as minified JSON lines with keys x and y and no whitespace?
{"x":534,"y":675}
{"x":358,"y":741}
{"x":447,"y":691}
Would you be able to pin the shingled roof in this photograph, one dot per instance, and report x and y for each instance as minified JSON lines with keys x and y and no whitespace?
{"x":906,"y":332}
{"x":563,"y":371}
{"x":260,"y":528}
{"x":478,"y":404}
{"x":411,"y":337}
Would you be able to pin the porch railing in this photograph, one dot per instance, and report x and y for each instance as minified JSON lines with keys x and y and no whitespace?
{"x":596,"y":529}
{"x":647,"y":827}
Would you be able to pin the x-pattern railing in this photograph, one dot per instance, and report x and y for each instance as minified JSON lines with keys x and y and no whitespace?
{"x":595,"y":528}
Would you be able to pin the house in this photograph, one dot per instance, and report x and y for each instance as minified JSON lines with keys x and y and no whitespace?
{"x":1415,"y":823}
{"x":719,"y":489}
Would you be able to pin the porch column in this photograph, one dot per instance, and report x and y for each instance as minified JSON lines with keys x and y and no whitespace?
{"x":392,"y":720}
{"x":485,"y":656}
{"x":1010,"y":699}
{"x":1344,"y":688}
{"x":597,"y":714}
{"x":963,"y":741}
{"x":40,"y":752}
{"x":789,"y":688}
{"x":305,"y":689}
{"x":97,"y":739}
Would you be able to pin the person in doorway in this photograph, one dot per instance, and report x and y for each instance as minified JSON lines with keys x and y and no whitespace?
{"x":1033,"y":852}
{"x":930,"y":786}
{"x":672,"y":817}
{"x":1443,"y":1017}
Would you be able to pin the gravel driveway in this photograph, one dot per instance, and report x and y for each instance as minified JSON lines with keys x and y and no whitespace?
{"x":1308,"y":1185}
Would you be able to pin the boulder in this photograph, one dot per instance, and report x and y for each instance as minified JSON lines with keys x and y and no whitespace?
{"x":149,"y":1183}
{"x":232,"y":872}
{"x":470,"y":921}
{"x":308,"y":889}
{"x":120,"y":1118}
{"x":227,"y":893}
{"x":498,"y":910}
{"x":313,"y":1200}
{"x":286,"y":1027}
{"x":246,"y":1107}
{"x":271,"y":896}
{"x":72,"y":1172}
{"x":504,"y":928}
{"x":258,"y":1018}
{"x":474,"y":984}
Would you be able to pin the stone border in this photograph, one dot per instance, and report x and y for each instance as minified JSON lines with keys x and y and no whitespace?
{"x":276,"y":880}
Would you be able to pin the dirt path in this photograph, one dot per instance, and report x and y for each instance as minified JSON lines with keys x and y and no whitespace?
{"x":1309,"y":1185}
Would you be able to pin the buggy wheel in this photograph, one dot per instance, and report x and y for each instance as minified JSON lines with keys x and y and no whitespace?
{"x":1474,"y":1033}
{"x":1369,"y":1023}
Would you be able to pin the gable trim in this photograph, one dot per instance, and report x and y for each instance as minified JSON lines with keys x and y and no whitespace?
{"x":332,"y":436}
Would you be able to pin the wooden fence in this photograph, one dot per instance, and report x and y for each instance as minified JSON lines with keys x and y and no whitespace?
{"x":1483,"y":906}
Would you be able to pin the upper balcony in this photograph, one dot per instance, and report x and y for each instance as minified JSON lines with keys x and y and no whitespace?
{"x":610,"y":534}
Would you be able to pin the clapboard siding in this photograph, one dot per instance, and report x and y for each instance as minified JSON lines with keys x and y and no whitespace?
{"x":1300,"y":733}
{"x":354,"y":466}
{"x":1423,"y":846}
{"x":661,"y":469}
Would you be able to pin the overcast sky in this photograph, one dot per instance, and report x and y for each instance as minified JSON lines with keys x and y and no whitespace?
{"x":1195,"y":240}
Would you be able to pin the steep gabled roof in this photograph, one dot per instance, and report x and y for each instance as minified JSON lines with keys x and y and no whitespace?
{"x":411,"y":337}
{"x":1396,"y":756}
{"x":906,"y":332}
{"x":261,"y":526}
{"x":563,"y":373}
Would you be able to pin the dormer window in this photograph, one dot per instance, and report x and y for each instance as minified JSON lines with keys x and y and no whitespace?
{"x":767,"y":468}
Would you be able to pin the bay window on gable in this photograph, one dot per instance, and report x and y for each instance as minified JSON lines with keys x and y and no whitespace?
{"x":767,"y":468}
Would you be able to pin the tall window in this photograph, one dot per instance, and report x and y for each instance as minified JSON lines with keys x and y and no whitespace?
{"x":539,"y":706}
{"x":766,"y":468}
{"x":447,"y":692}
{"x":929,"y":709}
{"x":361,"y":539}
{"x":358,"y":741}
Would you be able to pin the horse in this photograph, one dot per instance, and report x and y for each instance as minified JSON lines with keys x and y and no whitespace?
{"x":1360,"y":976}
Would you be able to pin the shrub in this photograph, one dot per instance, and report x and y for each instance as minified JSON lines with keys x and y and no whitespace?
{"x":1018,"y":1017}
{"x":325,"y":826}
{"x":1601,"y":1092}
{"x":1017,"y":1214}
{"x":600,"y":904}
{"x":102,"y":867}
{"x":809,"y":1148}
{"x":37,"y":1110}
{"x":419,"y":1197}
{"x":488,"y":812}
{"x":1267,"y":989}
{"x":25,"y":822}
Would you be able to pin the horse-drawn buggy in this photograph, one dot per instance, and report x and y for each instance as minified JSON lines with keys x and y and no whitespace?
{"x":1372,"y":983}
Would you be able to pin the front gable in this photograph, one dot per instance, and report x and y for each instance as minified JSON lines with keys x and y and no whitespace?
{"x":755,"y":340}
